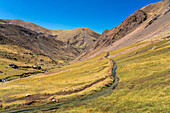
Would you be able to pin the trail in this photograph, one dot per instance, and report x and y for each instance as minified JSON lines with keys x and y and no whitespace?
{"x":48,"y":107}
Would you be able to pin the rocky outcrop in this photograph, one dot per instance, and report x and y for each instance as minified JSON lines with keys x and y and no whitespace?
{"x":143,"y":24}
{"x":128,"y":25}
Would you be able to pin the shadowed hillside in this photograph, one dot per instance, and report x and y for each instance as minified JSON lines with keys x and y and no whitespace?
{"x":81,"y":38}
{"x":38,"y":44}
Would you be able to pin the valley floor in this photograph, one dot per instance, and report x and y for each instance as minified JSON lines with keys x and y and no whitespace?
{"x":143,"y":72}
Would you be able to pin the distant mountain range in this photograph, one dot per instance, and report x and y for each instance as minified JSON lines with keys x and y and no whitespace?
{"x":80,"y":38}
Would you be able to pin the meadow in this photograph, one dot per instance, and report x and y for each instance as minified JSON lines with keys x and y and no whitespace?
{"x":143,"y":87}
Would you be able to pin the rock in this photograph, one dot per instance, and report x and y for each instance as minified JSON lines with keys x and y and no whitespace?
{"x":53,"y":100}
{"x":36,"y":67}
{"x":3,"y":80}
{"x":27,"y":95}
{"x":30,"y":102}
{"x":41,"y":60}
{"x":29,"y":53}
{"x":154,"y":47}
{"x":15,"y":59}
{"x":13,"y":66}
{"x":26,"y":67}
{"x":1,"y":106}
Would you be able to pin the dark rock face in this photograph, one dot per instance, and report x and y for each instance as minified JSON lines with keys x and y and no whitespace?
{"x":127,"y":26}
{"x":150,"y":22}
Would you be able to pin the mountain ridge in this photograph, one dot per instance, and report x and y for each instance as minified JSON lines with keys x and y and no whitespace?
{"x":155,"y":15}
{"x":81,"y":38}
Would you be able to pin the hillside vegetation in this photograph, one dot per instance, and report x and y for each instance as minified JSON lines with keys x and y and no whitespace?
{"x":70,"y":81}
{"x":143,"y":86}
{"x":125,"y":70}
{"x":144,"y":83}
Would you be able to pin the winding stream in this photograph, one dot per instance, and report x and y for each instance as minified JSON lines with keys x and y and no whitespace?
{"x":48,"y":107}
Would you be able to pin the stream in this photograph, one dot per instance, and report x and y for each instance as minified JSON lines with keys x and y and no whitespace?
{"x":48,"y":107}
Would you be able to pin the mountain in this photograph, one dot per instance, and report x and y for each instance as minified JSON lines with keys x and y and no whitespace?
{"x":81,"y":38}
{"x":143,"y":24}
{"x":127,"y":69}
{"x":37,"y":43}
{"x":28,"y":25}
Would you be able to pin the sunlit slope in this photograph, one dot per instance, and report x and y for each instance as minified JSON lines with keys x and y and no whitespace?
{"x":144,"y":24}
{"x":144,"y":82}
{"x":11,"y":54}
{"x":66,"y":79}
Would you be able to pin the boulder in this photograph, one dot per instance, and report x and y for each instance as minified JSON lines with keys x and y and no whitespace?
{"x":13,"y":66}
{"x":36,"y":67}
{"x":53,"y":100}
{"x":27,"y":95}
{"x":15,"y":59}
{"x":41,"y":60}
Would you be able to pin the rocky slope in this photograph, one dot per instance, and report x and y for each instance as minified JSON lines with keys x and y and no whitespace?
{"x":81,"y":38}
{"x":35,"y":42}
{"x":145,"y":23}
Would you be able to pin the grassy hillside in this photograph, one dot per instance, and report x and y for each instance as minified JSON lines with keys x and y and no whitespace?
{"x":143,"y":86}
{"x":24,"y":60}
{"x":144,"y":83}
{"x":67,"y":82}
{"x":37,"y":73}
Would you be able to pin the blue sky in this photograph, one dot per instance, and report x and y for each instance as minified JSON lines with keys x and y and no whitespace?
{"x":97,"y":15}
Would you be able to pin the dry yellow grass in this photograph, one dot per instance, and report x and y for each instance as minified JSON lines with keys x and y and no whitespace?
{"x":71,"y":77}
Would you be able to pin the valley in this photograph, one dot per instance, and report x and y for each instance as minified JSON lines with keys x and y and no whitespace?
{"x":125,"y":69}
